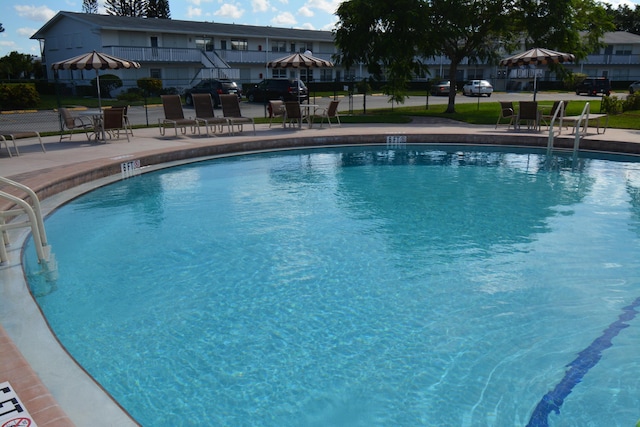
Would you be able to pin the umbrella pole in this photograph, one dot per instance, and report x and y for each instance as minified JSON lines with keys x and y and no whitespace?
{"x":535,"y":83}
{"x":99,"y":122}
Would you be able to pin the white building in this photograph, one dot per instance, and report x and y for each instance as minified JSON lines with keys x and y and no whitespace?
{"x":183,"y":52}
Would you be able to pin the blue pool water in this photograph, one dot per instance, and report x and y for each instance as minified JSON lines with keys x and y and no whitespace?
{"x":357,"y":287}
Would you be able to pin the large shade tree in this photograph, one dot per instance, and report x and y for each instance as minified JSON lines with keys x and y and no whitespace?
{"x":393,"y":38}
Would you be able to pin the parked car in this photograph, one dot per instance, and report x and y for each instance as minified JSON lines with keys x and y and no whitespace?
{"x":634,"y":87}
{"x":441,"y":88}
{"x":477,"y":87}
{"x":283,"y":89}
{"x":215,"y":87}
{"x":594,"y":86}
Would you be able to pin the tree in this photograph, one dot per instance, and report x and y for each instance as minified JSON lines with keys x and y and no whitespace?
{"x":133,"y":8}
{"x":376,"y":33}
{"x":624,"y":18}
{"x":158,"y":9}
{"x":382,"y":34}
{"x":90,"y":6}
{"x":475,"y":34}
{"x":16,"y":65}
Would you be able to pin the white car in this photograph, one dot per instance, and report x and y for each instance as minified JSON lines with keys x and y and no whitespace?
{"x":634,"y":87}
{"x":477,"y":87}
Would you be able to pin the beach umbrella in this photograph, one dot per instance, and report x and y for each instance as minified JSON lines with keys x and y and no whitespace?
{"x":537,"y":56}
{"x":298,"y":61}
{"x":94,"y":61}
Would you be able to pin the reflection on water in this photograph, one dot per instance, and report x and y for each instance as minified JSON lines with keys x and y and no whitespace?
{"x":362,"y":286}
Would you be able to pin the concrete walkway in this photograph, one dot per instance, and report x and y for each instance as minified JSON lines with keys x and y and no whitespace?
{"x":72,"y":167}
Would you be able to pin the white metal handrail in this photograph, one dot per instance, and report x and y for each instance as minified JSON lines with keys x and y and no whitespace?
{"x":585,"y":114}
{"x":34,"y":220}
{"x":560,"y":110}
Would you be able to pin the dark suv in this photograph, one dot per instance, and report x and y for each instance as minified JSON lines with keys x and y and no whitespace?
{"x":594,"y":86}
{"x":215,"y":88}
{"x":283,"y":89}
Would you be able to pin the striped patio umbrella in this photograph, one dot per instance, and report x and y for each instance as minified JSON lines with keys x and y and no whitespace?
{"x":94,"y":61}
{"x":298,"y":61}
{"x":537,"y":56}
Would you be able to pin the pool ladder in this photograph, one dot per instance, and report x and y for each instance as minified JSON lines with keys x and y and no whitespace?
{"x":583,"y":118}
{"x":33,"y":219}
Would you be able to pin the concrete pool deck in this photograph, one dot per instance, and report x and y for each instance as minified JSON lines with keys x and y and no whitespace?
{"x":53,"y":388}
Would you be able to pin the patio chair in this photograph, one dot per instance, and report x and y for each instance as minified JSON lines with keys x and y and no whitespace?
{"x":203,"y":104}
{"x":114,"y":121}
{"x":546,"y":118}
{"x":231,"y":111}
{"x":174,"y":116}
{"x":73,"y":123}
{"x":331,"y":112}
{"x":276,"y":109}
{"x":293,"y":114}
{"x":529,"y":113}
{"x":506,"y":112}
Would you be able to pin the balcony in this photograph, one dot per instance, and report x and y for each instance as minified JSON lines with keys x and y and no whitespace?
{"x":165,"y":54}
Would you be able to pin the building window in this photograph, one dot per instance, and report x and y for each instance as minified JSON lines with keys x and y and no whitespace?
{"x":278,"y":46}
{"x":239,"y":44}
{"x":205,"y":44}
{"x":326,"y":75}
{"x":623,"y":50}
{"x":279,"y":73}
{"x":223,"y":45}
{"x":155,"y":73}
{"x":304,"y":46}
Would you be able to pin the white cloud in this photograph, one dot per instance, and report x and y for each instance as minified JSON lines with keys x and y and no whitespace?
{"x":260,"y":5}
{"x":284,"y":18}
{"x":305,"y":11}
{"x":7,"y":43}
{"x":35,"y":13}
{"x":328,"y":6}
{"x":307,"y":26}
{"x":193,"y":12}
{"x":229,"y":11}
{"x":26,"y":31}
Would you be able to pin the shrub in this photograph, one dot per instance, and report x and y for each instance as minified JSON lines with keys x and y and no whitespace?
{"x":632,"y":103}
{"x":612,"y":105}
{"x":108,"y":82}
{"x":18,"y":96}
{"x":571,"y":80}
{"x":150,"y":85}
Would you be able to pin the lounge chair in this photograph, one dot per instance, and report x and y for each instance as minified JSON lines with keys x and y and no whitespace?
{"x":529,"y":113}
{"x":13,"y":135}
{"x":293,"y":114}
{"x":506,"y":112}
{"x":174,"y":116}
{"x":73,"y":123}
{"x":231,"y":111}
{"x":114,"y":121}
{"x":331,"y":112}
{"x":203,"y":104}
{"x":276,"y":109}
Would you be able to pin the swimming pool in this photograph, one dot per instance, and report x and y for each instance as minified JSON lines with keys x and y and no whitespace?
{"x":357,"y":287}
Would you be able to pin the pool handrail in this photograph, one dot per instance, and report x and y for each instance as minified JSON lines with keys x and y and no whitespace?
{"x":35,"y":221}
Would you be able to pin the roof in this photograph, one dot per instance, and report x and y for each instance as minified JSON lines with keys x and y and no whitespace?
{"x":127,"y":23}
{"x":620,"y":37}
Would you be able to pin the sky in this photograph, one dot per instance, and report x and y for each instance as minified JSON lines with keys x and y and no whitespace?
{"x":21,"y":21}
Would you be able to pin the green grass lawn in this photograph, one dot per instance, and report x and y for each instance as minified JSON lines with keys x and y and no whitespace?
{"x":483,"y":113}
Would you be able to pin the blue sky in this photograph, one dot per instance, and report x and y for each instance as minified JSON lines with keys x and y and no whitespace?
{"x":20,"y":21}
